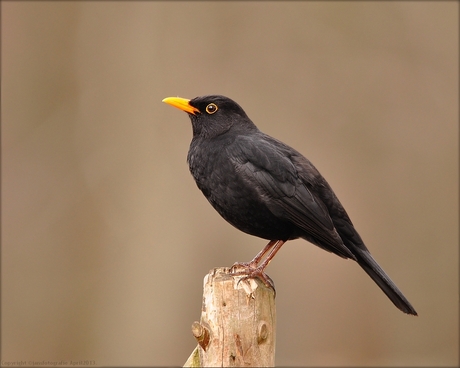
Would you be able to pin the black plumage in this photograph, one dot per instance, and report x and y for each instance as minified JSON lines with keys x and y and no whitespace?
{"x":266,"y":188}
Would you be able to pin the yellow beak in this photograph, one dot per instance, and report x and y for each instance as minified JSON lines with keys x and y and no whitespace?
{"x":182,"y":104}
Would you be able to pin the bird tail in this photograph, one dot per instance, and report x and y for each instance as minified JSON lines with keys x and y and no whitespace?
{"x":367,"y":262}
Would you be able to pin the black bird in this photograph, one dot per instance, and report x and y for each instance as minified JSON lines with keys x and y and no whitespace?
{"x":266,"y":188}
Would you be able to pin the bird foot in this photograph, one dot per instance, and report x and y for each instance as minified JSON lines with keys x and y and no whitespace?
{"x":251,"y":272}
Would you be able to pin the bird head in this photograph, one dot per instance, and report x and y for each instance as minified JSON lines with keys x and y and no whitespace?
{"x":212,"y":115}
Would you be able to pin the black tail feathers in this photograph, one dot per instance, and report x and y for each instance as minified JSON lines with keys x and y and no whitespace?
{"x":367,"y":262}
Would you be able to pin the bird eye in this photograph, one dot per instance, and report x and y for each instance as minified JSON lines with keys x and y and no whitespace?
{"x":211,"y":108}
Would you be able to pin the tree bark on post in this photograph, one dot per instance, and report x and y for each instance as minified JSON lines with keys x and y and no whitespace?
{"x":238,"y":323}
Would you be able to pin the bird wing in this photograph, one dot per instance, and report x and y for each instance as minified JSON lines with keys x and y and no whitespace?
{"x":266,"y":166}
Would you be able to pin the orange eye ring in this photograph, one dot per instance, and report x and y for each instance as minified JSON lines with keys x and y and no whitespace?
{"x":211,"y":108}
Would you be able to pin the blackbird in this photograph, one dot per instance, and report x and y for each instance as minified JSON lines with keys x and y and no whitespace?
{"x":266,"y":188}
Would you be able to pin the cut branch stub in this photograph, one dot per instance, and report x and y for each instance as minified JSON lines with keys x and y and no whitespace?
{"x":238,"y":322}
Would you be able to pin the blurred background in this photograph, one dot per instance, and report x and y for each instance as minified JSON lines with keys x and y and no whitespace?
{"x":105,"y":236}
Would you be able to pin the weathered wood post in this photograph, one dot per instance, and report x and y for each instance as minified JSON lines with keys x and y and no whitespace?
{"x":238,"y":323}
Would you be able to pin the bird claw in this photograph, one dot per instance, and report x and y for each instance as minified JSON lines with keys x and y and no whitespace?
{"x":251,"y":272}
{"x":243,"y":265}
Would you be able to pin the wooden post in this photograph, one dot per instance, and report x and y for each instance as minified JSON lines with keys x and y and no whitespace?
{"x":238,"y":323}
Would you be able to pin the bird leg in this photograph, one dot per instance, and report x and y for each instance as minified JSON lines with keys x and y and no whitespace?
{"x":253,"y":269}
{"x":277,"y":246}
{"x":255,"y":261}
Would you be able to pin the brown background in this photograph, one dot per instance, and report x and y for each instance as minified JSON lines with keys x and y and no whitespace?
{"x":105,"y":237}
